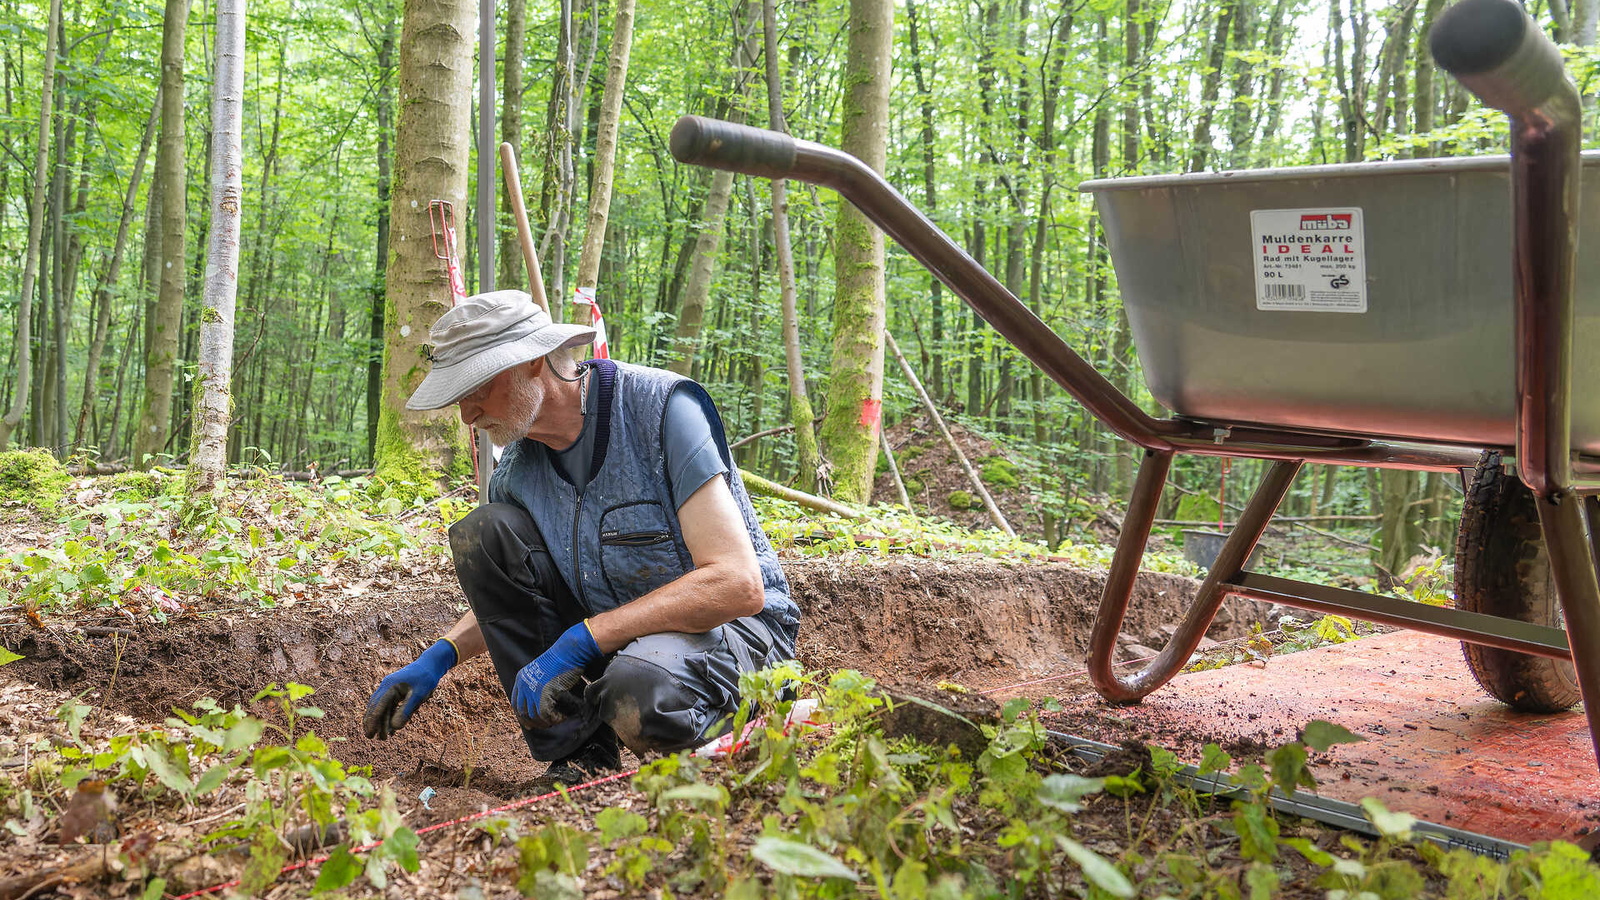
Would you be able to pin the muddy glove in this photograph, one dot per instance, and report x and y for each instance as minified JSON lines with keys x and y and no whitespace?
{"x":542,"y":696}
{"x":399,"y":695}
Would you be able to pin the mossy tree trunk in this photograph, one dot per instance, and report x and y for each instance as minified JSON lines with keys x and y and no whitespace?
{"x":417,"y":449}
{"x":855,"y":389}
{"x":161,"y":353}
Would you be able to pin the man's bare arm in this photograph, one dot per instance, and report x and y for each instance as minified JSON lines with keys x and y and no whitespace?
{"x":724,"y":584}
{"x":466,"y":637}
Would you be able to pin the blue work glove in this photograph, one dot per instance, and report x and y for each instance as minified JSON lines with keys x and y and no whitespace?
{"x":542,"y":694}
{"x":399,"y":695}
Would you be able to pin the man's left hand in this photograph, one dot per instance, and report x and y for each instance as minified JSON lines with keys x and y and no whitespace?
{"x":542,"y":696}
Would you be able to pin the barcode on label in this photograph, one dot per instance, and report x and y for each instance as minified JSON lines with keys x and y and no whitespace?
{"x":1283,"y":291}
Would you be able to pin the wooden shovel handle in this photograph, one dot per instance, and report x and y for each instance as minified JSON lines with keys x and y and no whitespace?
{"x":519,"y":211}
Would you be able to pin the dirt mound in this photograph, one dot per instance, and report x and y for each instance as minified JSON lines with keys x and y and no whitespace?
{"x":937,"y":485}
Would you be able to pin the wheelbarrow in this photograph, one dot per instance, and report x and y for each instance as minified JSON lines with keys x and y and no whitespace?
{"x":1406,"y":315}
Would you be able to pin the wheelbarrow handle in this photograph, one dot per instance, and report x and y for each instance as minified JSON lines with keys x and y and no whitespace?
{"x":1498,"y":52}
{"x":700,"y":141}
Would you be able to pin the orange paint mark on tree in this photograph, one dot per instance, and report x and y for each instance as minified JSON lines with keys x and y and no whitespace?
{"x":871,"y":412}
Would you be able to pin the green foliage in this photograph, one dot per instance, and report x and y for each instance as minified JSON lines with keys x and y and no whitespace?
{"x":289,"y":781}
{"x":891,"y":531}
{"x":271,"y":541}
{"x":846,"y":812}
{"x":959,"y":499}
{"x":32,"y":478}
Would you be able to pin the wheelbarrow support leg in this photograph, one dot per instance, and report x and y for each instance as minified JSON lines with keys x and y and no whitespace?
{"x":1572,"y":562}
{"x":1125,"y":568}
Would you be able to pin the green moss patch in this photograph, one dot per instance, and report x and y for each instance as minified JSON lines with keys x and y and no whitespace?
{"x":961,"y":500}
{"x":33,"y":477}
{"x":140,"y":487}
{"x":997,"y":471}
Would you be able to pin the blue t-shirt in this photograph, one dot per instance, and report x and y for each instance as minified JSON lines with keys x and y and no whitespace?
{"x":692,"y":457}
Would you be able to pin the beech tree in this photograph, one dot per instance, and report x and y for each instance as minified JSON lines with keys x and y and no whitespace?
{"x":213,"y":411}
{"x":855,"y":386}
{"x":432,"y":141}
{"x":161,"y":349}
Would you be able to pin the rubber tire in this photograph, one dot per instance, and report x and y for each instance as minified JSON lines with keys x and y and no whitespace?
{"x":1502,"y":569}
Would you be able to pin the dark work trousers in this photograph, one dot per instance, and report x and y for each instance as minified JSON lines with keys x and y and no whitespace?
{"x":662,"y":692}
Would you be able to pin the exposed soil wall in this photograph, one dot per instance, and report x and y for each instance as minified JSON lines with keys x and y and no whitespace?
{"x":979,"y":622}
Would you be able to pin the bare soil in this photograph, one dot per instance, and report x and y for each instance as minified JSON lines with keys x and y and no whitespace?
{"x":979,"y":622}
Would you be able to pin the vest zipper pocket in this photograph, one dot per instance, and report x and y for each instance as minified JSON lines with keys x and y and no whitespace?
{"x":634,"y":539}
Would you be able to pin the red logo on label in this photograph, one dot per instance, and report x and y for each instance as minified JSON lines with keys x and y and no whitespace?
{"x":1327,"y":222}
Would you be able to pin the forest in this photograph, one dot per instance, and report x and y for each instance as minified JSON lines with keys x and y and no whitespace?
{"x":994,"y":112}
{"x":228,"y":225}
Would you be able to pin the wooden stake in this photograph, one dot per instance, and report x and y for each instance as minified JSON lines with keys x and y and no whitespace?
{"x":949,"y":439}
{"x":894,"y":470}
{"x":519,"y":212}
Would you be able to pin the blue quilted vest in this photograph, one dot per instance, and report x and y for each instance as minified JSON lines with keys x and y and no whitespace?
{"x":619,"y":538}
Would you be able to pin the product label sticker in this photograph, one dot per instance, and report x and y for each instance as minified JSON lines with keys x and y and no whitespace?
{"x":1310,"y":259}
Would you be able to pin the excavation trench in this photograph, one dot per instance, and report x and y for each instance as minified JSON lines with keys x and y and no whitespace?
{"x":977,"y":622}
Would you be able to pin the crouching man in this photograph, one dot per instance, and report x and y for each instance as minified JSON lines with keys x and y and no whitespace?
{"x":617,"y":577}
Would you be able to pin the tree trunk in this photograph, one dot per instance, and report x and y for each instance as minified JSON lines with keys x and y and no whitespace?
{"x":108,"y":277}
{"x":808,"y":460}
{"x":1585,"y":19}
{"x":686,"y":337}
{"x":1241,"y":124}
{"x":208,"y":459}
{"x":1274,"y":111}
{"x":512,"y":272}
{"x":855,"y":391}
{"x":708,"y":243}
{"x":375,"y":333}
{"x":1400,"y":534}
{"x":1210,"y":86}
{"x":929,"y":195}
{"x":30,"y":269}
{"x":431,"y":151}
{"x":1049,"y":103}
{"x":605,"y":149}
{"x":1423,"y":99}
{"x":161,"y":352}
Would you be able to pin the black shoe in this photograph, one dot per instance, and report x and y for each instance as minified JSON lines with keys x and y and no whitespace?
{"x":598,"y":757}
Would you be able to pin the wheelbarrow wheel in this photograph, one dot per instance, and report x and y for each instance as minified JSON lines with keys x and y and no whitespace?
{"x":1502,"y":569}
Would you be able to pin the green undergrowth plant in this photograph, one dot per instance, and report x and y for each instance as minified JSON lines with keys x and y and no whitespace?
{"x":130,"y":545}
{"x":837,"y":806}
{"x":295,"y":795}
{"x":891,"y":531}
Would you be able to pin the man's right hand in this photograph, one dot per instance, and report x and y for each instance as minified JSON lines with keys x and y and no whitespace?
{"x":399,"y":695}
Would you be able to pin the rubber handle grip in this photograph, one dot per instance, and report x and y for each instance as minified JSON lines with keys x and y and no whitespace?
{"x":1499,"y":53}
{"x":700,"y":141}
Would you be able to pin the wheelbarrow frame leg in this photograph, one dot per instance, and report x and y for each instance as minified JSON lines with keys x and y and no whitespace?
{"x":1246,"y":534}
{"x":1572,"y":562}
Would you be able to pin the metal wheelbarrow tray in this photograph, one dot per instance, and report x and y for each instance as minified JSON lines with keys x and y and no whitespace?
{"x":1370,"y":298}
{"x":1437,"y":356}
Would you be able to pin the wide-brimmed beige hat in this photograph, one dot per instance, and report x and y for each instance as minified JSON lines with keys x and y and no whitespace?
{"x":484,"y":335}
